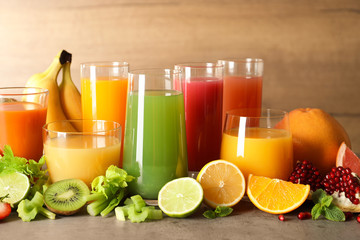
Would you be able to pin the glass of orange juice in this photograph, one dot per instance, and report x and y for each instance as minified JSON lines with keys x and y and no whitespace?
{"x":22,"y":116}
{"x":104,"y":91}
{"x":84,"y":153}
{"x":258,"y":145}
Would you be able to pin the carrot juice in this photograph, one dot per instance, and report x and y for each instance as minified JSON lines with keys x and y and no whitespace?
{"x":21,"y":128}
{"x":105,"y":99}
{"x":263,"y":151}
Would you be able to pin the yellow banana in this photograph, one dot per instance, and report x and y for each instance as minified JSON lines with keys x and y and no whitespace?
{"x":70,"y":97}
{"x":48,"y":80}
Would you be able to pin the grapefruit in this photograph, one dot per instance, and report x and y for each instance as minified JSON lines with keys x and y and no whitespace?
{"x":348,"y":159}
{"x":316,"y":137}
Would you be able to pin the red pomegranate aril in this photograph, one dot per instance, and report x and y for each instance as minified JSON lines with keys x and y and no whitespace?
{"x":358,"y":218}
{"x":304,"y":173}
{"x":281,"y":217}
{"x":356,"y":201}
{"x":348,"y":216}
{"x":304,"y":215}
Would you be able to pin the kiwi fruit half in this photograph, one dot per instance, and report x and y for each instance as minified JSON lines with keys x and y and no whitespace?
{"x":66,"y":197}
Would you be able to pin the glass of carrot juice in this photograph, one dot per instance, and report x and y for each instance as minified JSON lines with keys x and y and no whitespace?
{"x":243,"y":81}
{"x":104,"y":91}
{"x":84,"y":152}
{"x":22,"y":115}
{"x":258,"y":145}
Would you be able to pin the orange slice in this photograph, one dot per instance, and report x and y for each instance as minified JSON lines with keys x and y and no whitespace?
{"x":276,"y":196}
{"x":223,"y":183}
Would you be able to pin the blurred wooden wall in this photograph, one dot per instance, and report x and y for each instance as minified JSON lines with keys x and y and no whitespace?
{"x":311,"y":48}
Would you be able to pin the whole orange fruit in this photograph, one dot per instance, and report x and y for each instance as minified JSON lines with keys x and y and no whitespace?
{"x":316,"y":137}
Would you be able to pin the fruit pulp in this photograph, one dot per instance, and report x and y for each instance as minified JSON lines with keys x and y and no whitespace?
{"x":105,"y":99}
{"x":155,"y":142}
{"x":21,"y":127}
{"x":263,"y":152}
{"x":81,"y":156}
{"x":203,"y":112}
{"x":242,"y":92}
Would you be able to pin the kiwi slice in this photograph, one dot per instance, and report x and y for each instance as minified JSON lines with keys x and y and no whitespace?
{"x":66,"y":197}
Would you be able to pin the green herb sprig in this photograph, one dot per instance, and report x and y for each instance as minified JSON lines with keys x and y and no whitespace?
{"x":218,"y":212}
{"x":325,"y":207}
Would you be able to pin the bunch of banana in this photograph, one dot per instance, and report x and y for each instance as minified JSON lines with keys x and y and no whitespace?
{"x":64,"y":101}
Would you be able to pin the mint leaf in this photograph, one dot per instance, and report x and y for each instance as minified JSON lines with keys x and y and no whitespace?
{"x":318,"y":195}
{"x":316,"y":211}
{"x":334,"y":213}
{"x":223,"y":211}
{"x":326,"y":201}
{"x":209,"y":214}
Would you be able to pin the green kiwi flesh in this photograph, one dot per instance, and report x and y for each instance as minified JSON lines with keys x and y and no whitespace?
{"x":66,"y":197}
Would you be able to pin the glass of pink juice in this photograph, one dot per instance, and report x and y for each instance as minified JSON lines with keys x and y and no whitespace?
{"x":243,"y":85}
{"x":104,"y":91}
{"x":84,"y":153}
{"x":22,"y":116}
{"x":261,"y":145}
{"x":202,"y":85}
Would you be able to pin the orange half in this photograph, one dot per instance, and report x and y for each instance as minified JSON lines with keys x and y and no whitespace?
{"x":276,"y":196}
{"x":223,"y":183}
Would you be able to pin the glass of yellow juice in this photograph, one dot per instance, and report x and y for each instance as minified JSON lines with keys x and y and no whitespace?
{"x":104,"y":91}
{"x":84,"y":152}
{"x":258,"y":145}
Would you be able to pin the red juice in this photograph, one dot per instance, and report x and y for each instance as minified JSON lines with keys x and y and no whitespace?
{"x":203,"y":115}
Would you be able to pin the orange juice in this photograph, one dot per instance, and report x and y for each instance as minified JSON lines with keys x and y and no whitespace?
{"x":105,"y":99}
{"x":263,"y":151}
{"x":81,"y":156}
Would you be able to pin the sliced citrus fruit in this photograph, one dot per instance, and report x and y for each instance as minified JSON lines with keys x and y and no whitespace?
{"x":348,"y":159}
{"x":15,"y":185}
{"x":223,"y":183}
{"x":274,"y":195}
{"x":180,"y":197}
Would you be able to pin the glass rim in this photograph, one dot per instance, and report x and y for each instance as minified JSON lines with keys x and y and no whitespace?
{"x":200,"y":65}
{"x":117,"y":128}
{"x":38,"y":91}
{"x":242,"y":60}
{"x":274,"y":113}
{"x":105,"y":64}
{"x":154,"y":71}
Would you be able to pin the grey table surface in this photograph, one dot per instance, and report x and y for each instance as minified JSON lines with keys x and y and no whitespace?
{"x":246,"y":222}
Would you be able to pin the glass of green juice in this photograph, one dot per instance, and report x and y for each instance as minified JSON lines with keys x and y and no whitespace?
{"x":155,"y":140}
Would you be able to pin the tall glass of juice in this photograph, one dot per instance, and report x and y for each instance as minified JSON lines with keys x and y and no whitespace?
{"x":155,"y":138}
{"x":104,"y":91}
{"x":202,"y":85}
{"x":22,"y":115}
{"x":84,"y":153}
{"x":243,"y":80}
{"x":259,"y":145}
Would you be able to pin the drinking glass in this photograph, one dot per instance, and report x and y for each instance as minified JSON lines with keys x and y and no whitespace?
{"x":104,"y":91}
{"x":155,"y":139}
{"x":84,"y":153}
{"x":243,"y":85}
{"x":259,"y":145}
{"x":22,"y":115}
{"x":202,"y":84}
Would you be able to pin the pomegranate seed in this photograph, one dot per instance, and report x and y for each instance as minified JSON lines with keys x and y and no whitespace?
{"x":281,"y":217}
{"x":304,"y":215}
{"x":348,"y":216}
{"x":358,"y":218}
{"x":356,"y":201}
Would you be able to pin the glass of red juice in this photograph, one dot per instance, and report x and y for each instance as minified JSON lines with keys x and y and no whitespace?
{"x":202,"y":85}
{"x":155,"y":138}
{"x":22,"y":116}
{"x":243,"y":86}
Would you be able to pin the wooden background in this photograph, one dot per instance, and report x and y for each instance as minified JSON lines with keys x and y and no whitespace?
{"x":311,"y":48}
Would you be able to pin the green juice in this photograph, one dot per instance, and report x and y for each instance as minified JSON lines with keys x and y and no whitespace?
{"x":155,"y":140}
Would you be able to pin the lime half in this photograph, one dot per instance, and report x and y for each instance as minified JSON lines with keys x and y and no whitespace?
{"x":180,"y":197}
{"x":15,"y":185}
